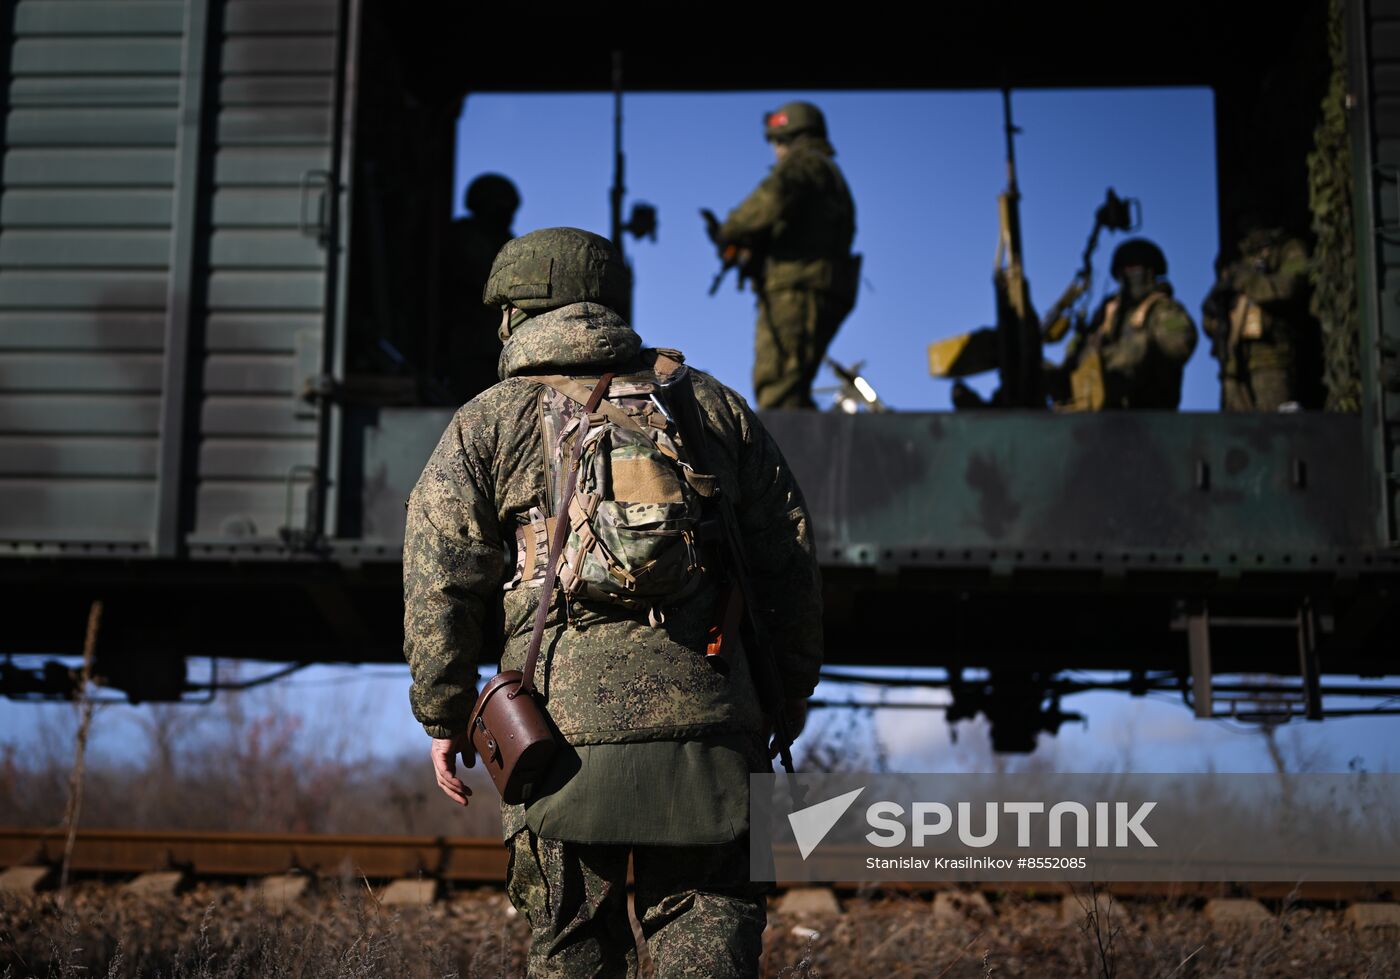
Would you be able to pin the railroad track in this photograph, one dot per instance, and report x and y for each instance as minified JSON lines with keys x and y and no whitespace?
{"x":468,"y":860}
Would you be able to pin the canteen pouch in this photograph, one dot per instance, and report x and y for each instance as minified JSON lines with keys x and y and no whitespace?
{"x":510,"y":732}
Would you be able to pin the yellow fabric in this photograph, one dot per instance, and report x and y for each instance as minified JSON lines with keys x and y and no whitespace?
{"x":642,"y":481}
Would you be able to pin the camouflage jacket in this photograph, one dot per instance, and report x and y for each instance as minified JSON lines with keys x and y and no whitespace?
{"x":801,"y":216}
{"x":608,"y":676}
{"x":1143,"y":350}
{"x":1268,"y":292}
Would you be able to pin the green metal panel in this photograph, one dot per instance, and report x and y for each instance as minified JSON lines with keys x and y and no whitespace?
{"x":86,"y":92}
{"x":44,"y":456}
{"x":288,"y":290}
{"x":283,"y":17}
{"x":239,"y":510}
{"x":266,"y":127}
{"x":1008,"y":492}
{"x":276,"y":56}
{"x":269,"y":167}
{"x":89,"y":17}
{"x":233,"y":457}
{"x":106,"y":126}
{"x":91,"y":101}
{"x":249,"y":374}
{"x":263,"y":208}
{"x":81,"y":249}
{"x":79,"y":414}
{"x":69,"y":167}
{"x":252,"y":331}
{"x":118,"y":332}
{"x":68,"y":289}
{"x":76,"y":510}
{"x":277,"y":90}
{"x":1374,"y":43}
{"x":46,"y":373}
{"x":96,"y":56}
{"x":86,"y":209}
{"x":260,"y":249}
{"x":250,"y":417}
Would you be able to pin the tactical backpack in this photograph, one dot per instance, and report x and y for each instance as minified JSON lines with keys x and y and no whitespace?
{"x":634,"y":520}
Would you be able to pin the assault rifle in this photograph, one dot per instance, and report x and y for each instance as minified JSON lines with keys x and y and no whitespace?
{"x":731,"y":256}
{"x":1217,"y":306}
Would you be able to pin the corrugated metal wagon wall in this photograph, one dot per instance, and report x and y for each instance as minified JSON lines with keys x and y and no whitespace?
{"x":165,"y":234}
{"x":1374,"y":43}
{"x":272,"y":224}
{"x":85,"y":249}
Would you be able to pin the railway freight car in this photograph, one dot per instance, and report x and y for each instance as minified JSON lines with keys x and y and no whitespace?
{"x":220,"y":257}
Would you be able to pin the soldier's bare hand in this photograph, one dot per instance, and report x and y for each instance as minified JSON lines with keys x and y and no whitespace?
{"x":444,"y":753}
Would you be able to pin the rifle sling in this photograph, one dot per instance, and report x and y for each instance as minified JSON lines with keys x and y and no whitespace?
{"x":556,"y":546}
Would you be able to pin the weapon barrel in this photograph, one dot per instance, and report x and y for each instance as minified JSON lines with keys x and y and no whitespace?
{"x":619,"y":188}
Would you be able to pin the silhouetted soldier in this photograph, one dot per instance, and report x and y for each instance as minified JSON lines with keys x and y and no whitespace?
{"x":473,"y":241}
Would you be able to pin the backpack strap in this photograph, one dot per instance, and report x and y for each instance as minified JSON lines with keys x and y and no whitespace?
{"x":578,"y":391}
{"x":556,"y":547}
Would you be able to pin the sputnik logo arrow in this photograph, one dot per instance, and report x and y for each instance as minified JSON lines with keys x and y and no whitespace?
{"x":811,"y":825}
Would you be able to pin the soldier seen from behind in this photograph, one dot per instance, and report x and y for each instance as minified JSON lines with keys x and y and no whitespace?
{"x":1257,"y":317}
{"x":1134,"y":351}
{"x":472,"y":244}
{"x":659,"y":711}
{"x":798,"y":225}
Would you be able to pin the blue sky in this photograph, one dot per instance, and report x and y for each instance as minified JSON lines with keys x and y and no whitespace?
{"x":925,"y":169}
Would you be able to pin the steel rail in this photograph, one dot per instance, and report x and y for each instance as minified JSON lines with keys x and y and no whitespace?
{"x":476,"y":860}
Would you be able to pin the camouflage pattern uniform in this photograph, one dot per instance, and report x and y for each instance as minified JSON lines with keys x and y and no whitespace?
{"x":802,"y":218}
{"x":1263,"y":301}
{"x":1138,"y":342}
{"x":472,"y":243}
{"x":613,"y":683}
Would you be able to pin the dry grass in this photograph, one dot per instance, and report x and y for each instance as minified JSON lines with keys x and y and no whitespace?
{"x":221,"y":931}
{"x":244,"y":764}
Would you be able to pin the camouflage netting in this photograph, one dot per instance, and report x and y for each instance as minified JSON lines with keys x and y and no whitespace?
{"x":1334,"y":301}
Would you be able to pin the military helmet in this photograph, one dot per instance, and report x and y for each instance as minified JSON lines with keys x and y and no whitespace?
{"x":793,"y":119}
{"x":1138,"y":251}
{"x":492,"y":193}
{"x":554,"y":267}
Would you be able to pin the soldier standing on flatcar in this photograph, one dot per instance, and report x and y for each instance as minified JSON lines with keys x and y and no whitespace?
{"x":1135,"y":349}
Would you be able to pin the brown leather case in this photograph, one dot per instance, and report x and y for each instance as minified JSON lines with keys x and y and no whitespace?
{"x":511,"y":735}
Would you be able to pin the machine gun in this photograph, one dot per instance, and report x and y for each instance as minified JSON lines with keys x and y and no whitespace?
{"x":854,"y":393}
{"x":643,"y":221}
{"x":1114,"y":214}
{"x":1013,"y":346}
{"x":731,"y":256}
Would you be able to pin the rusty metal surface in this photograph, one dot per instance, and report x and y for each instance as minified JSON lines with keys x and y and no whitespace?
{"x":259,"y":854}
